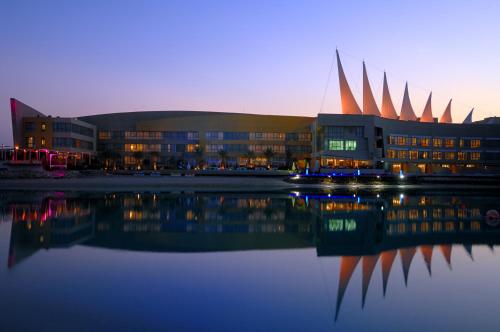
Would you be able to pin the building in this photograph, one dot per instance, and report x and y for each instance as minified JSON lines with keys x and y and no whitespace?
{"x":366,"y":137}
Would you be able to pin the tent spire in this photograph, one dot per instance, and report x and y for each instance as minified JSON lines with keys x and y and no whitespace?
{"x":388,"y":110}
{"x":407,"y":112}
{"x":446,"y":117}
{"x":369,"y":105}
{"x":427,"y":113}
{"x":349,"y":104}
{"x":468,"y":119}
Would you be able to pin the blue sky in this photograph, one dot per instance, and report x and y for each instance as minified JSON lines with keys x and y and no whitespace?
{"x":72,"y":58}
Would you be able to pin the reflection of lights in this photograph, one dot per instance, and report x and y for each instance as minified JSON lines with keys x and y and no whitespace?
{"x":378,"y":195}
{"x":296,"y":177}
{"x":401,"y":175}
{"x":329,"y":195}
{"x":296,"y":193}
{"x":382,"y":208}
{"x":401,"y":196}
{"x":378,"y":176}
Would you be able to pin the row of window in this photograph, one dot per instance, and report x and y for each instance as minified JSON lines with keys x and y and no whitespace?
{"x":435,"y":142}
{"x":341,"y":145}
{"x":435,"y":155}
{"x":343,"y":132}
{"x":30,"y":143}
{"x":67,"y":142}
{"x":67,"y":127}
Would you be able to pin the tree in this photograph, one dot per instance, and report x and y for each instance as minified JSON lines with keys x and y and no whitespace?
{"x":268,"y":154}
{"x":198,"y":154}
{"x":155,"y":156}
{"x":249,"y":155}
{"x":223,"y":157}
{"x":288,"y":157}
{"x":138,"y":155}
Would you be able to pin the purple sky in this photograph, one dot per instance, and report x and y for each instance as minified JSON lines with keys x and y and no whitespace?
{"x":72,"y":58}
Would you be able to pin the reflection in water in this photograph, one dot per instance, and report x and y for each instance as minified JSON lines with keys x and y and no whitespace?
{"x":373,"y":229}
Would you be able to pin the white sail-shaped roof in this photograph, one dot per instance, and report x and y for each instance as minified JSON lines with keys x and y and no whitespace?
{"x":388,"y":110}
{"x":446,"y":117}
{"x":407,"y":112}
{"x":369,"y":105}
{"x":349,"y":104}
{"x":468,"y":118}
{"x":427,"y":113}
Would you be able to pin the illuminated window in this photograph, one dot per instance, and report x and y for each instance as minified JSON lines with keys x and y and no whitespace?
{"x":104,"y":135}
{"x":437,"y":155}
{"x":449,"y":143}
{"x":413,"y":141}
{"x":391,"y":153}
{"x":402,"y":154}
{"x":413,"y":154}
{"x":43,"y":142}
{"x":336,"y":145}
{"x":425,"y":142}
{"x":475,"y":155}
{"x":437,"y":142}
{"x":449,"y":155}
{"x":191,"y":147}
{"x":44,"y":126}
{"x":461,"y":143}
{"x":462,"y":155}
{"x":475,"y":143}
{"x":424,"y":154}
{"x":350,"y":145}
{"x":30,"y":142}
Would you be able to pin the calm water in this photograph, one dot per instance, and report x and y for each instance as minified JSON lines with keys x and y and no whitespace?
{"x":352,"y":261}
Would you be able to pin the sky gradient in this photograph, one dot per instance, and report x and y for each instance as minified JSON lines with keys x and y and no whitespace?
{"x":71,"y":58}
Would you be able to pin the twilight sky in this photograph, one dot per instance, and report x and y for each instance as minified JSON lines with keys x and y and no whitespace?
{"x":73,"y":57}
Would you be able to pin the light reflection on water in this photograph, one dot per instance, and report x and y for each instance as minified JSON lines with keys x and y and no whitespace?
{"x":281,"y":261}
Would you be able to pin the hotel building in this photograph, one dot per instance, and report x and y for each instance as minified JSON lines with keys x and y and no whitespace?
{"x":360,"y":137}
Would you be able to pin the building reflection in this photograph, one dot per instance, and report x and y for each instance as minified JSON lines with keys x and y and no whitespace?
{"x":374,"y":229}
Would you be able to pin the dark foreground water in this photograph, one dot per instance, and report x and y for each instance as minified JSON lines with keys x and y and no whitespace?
{"x":352,"y":261}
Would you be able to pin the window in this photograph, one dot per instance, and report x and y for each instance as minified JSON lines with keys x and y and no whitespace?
{"x":424,"y":154}
{"x":461,"y":143}
{"x":29,"y":126}
{"x":267,"y":136}
{"x":449,"y":155}
{"x":475,"y":143}
{"x":462,"y":155}
{"x":475,"y":155}
{"x":437,"y":155}
{"x":350,"y":145}
{"x":43,"y":126}
{"x":449,"y":142}
{"x":42,"y":142}
{"x":104,"y":135}
{"x":402,"y":154}
{"x":425,"y":142}
{"x":413,"y":141}
{"x":437,"y":142}
{"x":29,"y":142}
{"x":398,"y":140}
{"x":191,"y":147}
{"x":391,"y":153}
{"x":336,"y":145}
{"x":413,"y":154}
{"x":214,"y":135}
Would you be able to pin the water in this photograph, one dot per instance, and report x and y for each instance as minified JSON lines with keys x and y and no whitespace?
{"x":341,"y":261}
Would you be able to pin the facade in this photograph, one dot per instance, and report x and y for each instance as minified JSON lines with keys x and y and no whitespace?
{"x":360,"y":137}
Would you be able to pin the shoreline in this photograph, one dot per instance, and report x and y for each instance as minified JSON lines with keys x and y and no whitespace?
{"x":114,"y":183}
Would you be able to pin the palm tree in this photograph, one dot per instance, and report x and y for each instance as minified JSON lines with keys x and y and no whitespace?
{"x":249,"y":155}
{"x":223,"y":156}
{"x":268,"y":154}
